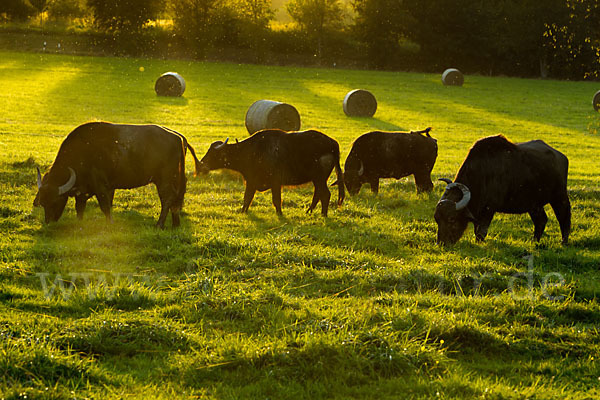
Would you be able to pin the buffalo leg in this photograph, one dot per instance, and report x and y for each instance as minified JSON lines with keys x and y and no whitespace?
{"x":562,"y":210}
{"x":482,"y":225}
{"x":539,"y":218}
{"x":167,"y":200}
{"x":276,"y":196}
{"x":104,"y":201}
{"x":324,"y":195}
{"x":315,"y":199}
{"x":177,"y":204}
{"x":164,"y":211}
{"x":248,"y":197}
{"x":175,"y":220}
{"x":423,"y":182}
{"x":104,"y":194}
{"x":80,"y":202}
{"x":374,"y":183}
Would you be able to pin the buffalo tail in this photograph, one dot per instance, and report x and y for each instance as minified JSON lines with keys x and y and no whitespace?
{"x":340,"y":181}
{"x":196,"y":161}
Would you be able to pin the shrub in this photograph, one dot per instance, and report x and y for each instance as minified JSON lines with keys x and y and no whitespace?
{"x":124,"y":16}
{"x":16,"y":9}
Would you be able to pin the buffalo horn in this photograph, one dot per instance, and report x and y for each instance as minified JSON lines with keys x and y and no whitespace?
{"x":466,"y":195}
{"x":217,"y":147}
{"x":39,"y":178}
{"x":361,"y":170}
{"x":448,"y":181}
{"x":70,"y":183}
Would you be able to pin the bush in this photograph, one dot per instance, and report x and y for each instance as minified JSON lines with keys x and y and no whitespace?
{"x":16,"y":9}
{"x":67,"y":9}
{"x":124,"y":16}
{"x":203,"y":23}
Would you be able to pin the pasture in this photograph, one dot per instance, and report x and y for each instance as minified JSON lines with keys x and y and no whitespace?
{"x":362,"y":304}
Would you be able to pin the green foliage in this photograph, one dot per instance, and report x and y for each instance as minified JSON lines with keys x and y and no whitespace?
{"x":574,"y":40}
{"x":203,"y":23}
{"x":40,"y":5}
{"x":527,"y":38}
{"x":555,"y":38}
{"x":257,"y":12}
{"x":124,"y":16}
{"x":316,"y":18}
{"x":66,"y":9}
{"x":362,"y":304}
{"x":380,"y":25}
{"x":16,"y":9}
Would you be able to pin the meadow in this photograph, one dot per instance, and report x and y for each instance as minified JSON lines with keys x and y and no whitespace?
{"x":362,"y":304}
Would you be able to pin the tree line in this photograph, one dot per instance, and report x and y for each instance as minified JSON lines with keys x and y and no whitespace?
{"x":551,"y":38}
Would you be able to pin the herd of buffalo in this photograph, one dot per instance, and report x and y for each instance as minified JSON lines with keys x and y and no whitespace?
{"x":497,"y":175}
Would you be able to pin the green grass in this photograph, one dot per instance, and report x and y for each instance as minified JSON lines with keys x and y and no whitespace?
{"x":360,"y":305}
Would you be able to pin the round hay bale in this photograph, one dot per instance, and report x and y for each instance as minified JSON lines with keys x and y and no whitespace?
{"x":269,"y":114}
{"x":452,"y":77}
{"x":170,"y":84}
{"x":596,"y":101}
{"x":360,"y":103}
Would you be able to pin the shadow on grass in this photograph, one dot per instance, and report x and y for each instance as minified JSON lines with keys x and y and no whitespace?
{"x":20,"y":173}
{"x":172,"y":101}
{"x":378,"y":124}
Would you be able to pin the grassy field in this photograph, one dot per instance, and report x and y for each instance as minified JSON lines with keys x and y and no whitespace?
{"x":363,"y":304}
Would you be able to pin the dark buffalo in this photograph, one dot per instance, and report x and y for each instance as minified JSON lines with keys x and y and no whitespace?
{"x":272,"y":158}
{"x":98,"y":157}
{"x":501,"y":176}
{"x":377,"y":155}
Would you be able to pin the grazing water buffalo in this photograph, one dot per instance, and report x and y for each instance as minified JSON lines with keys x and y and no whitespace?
{"x":501,"y":176}
{"x":98,"y":157}
{"x":377,"y":155}
{"x":272,"y":158}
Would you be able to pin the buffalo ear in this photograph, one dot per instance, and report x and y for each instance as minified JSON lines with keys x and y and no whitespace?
{"x":39,"y":178}
{"x":469,"y":215}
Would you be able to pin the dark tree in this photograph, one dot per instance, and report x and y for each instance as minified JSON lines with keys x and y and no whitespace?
{"x":316,"y":18}
{"x":574,"y":42}
{"x":257,"y":12}
{"x":517,"y":35}
{"x":62,"y":9}
{"x":16,"y":9}
{"x":124,"y":16}
{"x":201,"y":24}
{"x":380,"y":25}
{"x":40,"y":5}
{"x":453,"y":32}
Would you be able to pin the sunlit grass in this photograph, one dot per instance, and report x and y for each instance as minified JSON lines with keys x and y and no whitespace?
{"x":363,"y":304}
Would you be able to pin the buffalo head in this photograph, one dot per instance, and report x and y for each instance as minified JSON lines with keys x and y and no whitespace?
{"x":452,"y":214}
{"x":215,"y":157}
{"x":53,"y":197}
{"x":354,"y":175}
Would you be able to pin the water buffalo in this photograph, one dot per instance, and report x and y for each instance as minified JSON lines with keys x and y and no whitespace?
{"x":98,"y":157}
{"x":376,"y":155}
{"x":272,"y":158}
{"x":501,"y":176}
